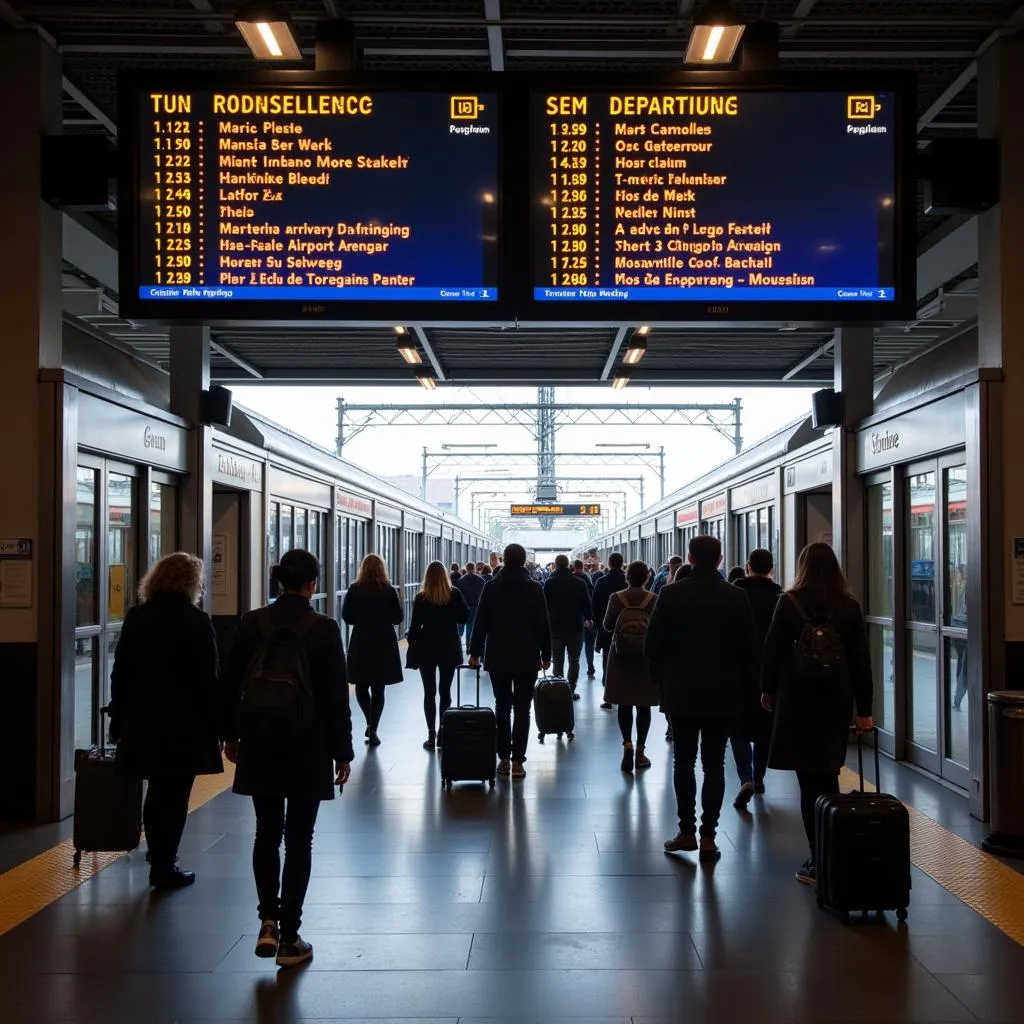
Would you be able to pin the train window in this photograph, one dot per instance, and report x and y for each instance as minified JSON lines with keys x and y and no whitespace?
{"x":880,"y":566}
{"x":287,"y":535}
{"x":85,"y":548}
{"x":121,"y":553}
{"x":921,"y":508}
{"x":163,"y":520}
{"x":300,"y":529}
{"x":956,"y":547}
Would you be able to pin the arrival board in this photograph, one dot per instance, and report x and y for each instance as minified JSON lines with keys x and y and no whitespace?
{"x":698,"y":195}
{"x":317,"y":194}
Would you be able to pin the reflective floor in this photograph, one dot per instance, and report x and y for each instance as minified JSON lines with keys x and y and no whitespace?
{"x":543,"y":900}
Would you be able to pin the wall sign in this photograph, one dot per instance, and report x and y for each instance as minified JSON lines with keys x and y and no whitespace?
{"x":236,"y":470}
{"x":219,"y":564}
{"x":757,"y":492}
{"x":931,"y":428}
{"x":809,"y":474}
{"x":1017,"y":570}
{"x":712,"y":507}
{"x":126,"y":434}
{"x":354,"y":503}
{"x":16,"y":572}
{"x":687,"y":516}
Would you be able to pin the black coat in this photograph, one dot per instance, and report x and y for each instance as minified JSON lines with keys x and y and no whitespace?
{"x":568,"y":601}
{"x":764,"y":596}
{"x":702,"y":646}
{"x":164,"y":698}
{"x":611,"y":582}
{"x":434,"y":631}
{"x":512,"y":623}
{"x":373,"y":613}
{"x":811,"y":731}
{"x":304,"y":770}
{"x":471,"y":586}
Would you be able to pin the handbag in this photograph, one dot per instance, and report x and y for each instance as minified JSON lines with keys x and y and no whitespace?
{"x":412,"y":656}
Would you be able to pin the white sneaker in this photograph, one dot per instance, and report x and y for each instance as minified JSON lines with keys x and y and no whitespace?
{"x":518,"y":771}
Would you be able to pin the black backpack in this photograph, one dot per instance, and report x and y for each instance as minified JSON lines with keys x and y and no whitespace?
{"x":276,"y":701}
{"x":819,"y":656}
{"x":631,"y":627}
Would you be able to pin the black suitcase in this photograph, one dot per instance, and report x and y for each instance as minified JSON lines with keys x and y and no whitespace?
{"x":553,"y":708}
{"x":469,"y":741}
{"x":108,"y":805}
{"x":862,"y":855}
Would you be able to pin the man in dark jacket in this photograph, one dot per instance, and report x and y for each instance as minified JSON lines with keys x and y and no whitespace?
{"x":702,"y":646}
{"x":288,"y":779}
{"x":753,"y":734}
{"x":589,"y":632}
{"x":610,"y":583}
{"x":471,"y":585}
{"x":512,"y":624}
{"x":667,"y":573}
{"x":570,"y":614}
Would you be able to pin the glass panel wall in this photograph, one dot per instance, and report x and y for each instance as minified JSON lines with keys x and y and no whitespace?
{"x":954,"y":585}
{"x":880,"y":602}
{"x":920,"y":493}
{"x":85,"y":548}
{"x":121,"y":554}
{"x":163,"y":520}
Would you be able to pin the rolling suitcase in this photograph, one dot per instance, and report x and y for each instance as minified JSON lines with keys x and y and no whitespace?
{"x":108,"y":805}
{"x":862,"y":855}
{"x":469,"y":747}
{"x":553,"y":708}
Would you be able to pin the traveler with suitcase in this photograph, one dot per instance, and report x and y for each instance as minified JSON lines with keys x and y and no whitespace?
{"x":164,"y":710}
{"x":469,"y":740}
{"x":289,"y":730}
{"x":816,"y":670}
{"x":438,"y":612}
{"x":570,"y":616}
{"x":512,"y":622}
{"x":628,"y":680}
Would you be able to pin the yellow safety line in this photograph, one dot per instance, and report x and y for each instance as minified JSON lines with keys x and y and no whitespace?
{"x":35,"y":884}
{"x":983,"y":882}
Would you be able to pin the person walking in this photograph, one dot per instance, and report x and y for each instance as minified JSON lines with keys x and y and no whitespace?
{"x":753,"y":734}
{"x":702,"y":646}
{"x":455,"y":573}
{"x":589,"y":632}
{"x":628,"y":681}
{"x":164,"y":705}
{"x":667,"y":574}
{"x":512,"y":627}
{"x":438,"y":611}
{"x":291,"y":745}
{"x":569,"y":613}
{"x":471,"y":586}
{"x":815,"y":672}
{"x":610,"y":582}
{"x":373,"y":610}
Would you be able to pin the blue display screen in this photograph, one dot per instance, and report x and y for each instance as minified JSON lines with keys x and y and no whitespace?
{"x":317,"y":194}
{"x":713,"y":195}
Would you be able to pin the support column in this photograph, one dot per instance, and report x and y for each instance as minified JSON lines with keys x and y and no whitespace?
{"x":190,"y":377}
{"x":36,"y":753}
{"x":995,"y":416}
{"x":854,"y":380}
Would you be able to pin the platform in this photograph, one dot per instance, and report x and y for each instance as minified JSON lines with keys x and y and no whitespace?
{"x":545,"y":900}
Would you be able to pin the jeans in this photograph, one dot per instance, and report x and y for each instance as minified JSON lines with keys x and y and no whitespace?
{"x":589,"y":640}
{"x":432,"y":687}
{"x":750,"y":752}
{"x":571,"y":643}
{"x":281,"y":896}
{"x":513,"y":695}
{"x":469,"y":626}
{"x":370,"y":698}
{"x":643,"y":724}
{"x":813,"y":785}
{"x":711,"y":736}
{"x":163,"y":816}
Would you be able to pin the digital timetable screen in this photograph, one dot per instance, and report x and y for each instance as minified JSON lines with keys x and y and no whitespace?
{"x":556,"y":510}
{"x":317,"y":195}
{"x":687,"y":194}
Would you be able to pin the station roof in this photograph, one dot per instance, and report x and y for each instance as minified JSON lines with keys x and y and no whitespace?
{"x":938,"y":40}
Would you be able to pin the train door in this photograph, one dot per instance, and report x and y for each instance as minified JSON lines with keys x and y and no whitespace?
{"x":232,"y":554}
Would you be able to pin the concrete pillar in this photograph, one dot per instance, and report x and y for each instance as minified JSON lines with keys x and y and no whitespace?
{"x":995,"y":414}
{"x":854,"y":379}
{"x":190,"y":377}
{"x":30,"y":422}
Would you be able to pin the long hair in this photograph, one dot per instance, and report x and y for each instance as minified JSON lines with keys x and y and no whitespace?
{"x":819,"y":577}
{"x":178,"y":575}
{"x":437,"y":584}
{"x":373,"y":573}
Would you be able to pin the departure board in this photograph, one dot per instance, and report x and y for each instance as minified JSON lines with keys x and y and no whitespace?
{"x":556,"y":510}
{"x":703,"y":195}
{"x":320,"y":195}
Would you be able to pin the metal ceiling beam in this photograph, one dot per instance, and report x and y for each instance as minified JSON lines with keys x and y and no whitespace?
{"x":90,"y":253}
{"x":237,"y":360}
{"x":613,"y":352}
{"x":808,"y":360}
{"x":89,"y":106}
{"x":428,"y":351}
{"x":946,"y":253}
{"x":495,"y":42}
{"x":331,"y":7}
{"x":802,"y":11}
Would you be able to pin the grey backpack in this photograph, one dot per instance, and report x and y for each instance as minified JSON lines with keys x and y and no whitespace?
{"x":631,"y":627}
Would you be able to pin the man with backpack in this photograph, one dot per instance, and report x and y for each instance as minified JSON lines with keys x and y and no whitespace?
{"x":288,"y":729}
{"x":702,"y":647}
{"x":569,"y":612}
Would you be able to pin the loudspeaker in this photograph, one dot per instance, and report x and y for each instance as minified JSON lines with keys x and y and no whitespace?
{"x":215,"y":407}
{"x":961,"y":176}
{"x":826,"y":409}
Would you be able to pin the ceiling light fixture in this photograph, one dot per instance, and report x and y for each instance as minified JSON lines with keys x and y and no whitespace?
{"x":427,"y":382}
{"x":715,"y":36}
{"x":409,"y":352}
{"x":267,"y":31}
{"x":620,"y":380}
{"x":635,"y":350}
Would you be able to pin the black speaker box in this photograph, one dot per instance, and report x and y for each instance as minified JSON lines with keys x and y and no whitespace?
{"x":826,"y":409}
{"x":961,"y":176}
{"x":215,"y":407}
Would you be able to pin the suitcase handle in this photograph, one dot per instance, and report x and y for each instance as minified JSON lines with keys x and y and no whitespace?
{"x":860,"y":759}
{"x":458,"y":686}
{"x":104,"y":711}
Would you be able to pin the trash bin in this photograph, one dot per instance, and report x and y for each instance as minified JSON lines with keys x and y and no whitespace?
{"x":1006,"y":773}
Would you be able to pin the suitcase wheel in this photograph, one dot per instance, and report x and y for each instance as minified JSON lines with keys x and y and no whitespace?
{"x":540,"y":736}
{"x":901,"y":914}
{"x":559,"y":737}
{"x":572,"y":736}
{"x":77,"y":858}
{"x":490,"y":782}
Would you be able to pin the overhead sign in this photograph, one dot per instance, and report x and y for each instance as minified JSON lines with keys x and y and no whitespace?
{"x":556,"y":510}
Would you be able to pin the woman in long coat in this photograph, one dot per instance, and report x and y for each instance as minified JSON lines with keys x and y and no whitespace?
{"x":372,"y":609}
{"x":434,"y":644}
{"x":164,"y":705}
{"x":811,"y":730}
{"x":628,"y":681}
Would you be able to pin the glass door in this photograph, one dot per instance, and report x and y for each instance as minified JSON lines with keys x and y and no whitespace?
{"x":880,"y":613}
{"x":955,"y":699}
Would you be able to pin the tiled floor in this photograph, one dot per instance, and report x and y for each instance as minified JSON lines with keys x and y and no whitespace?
{"x":547,"y":900}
